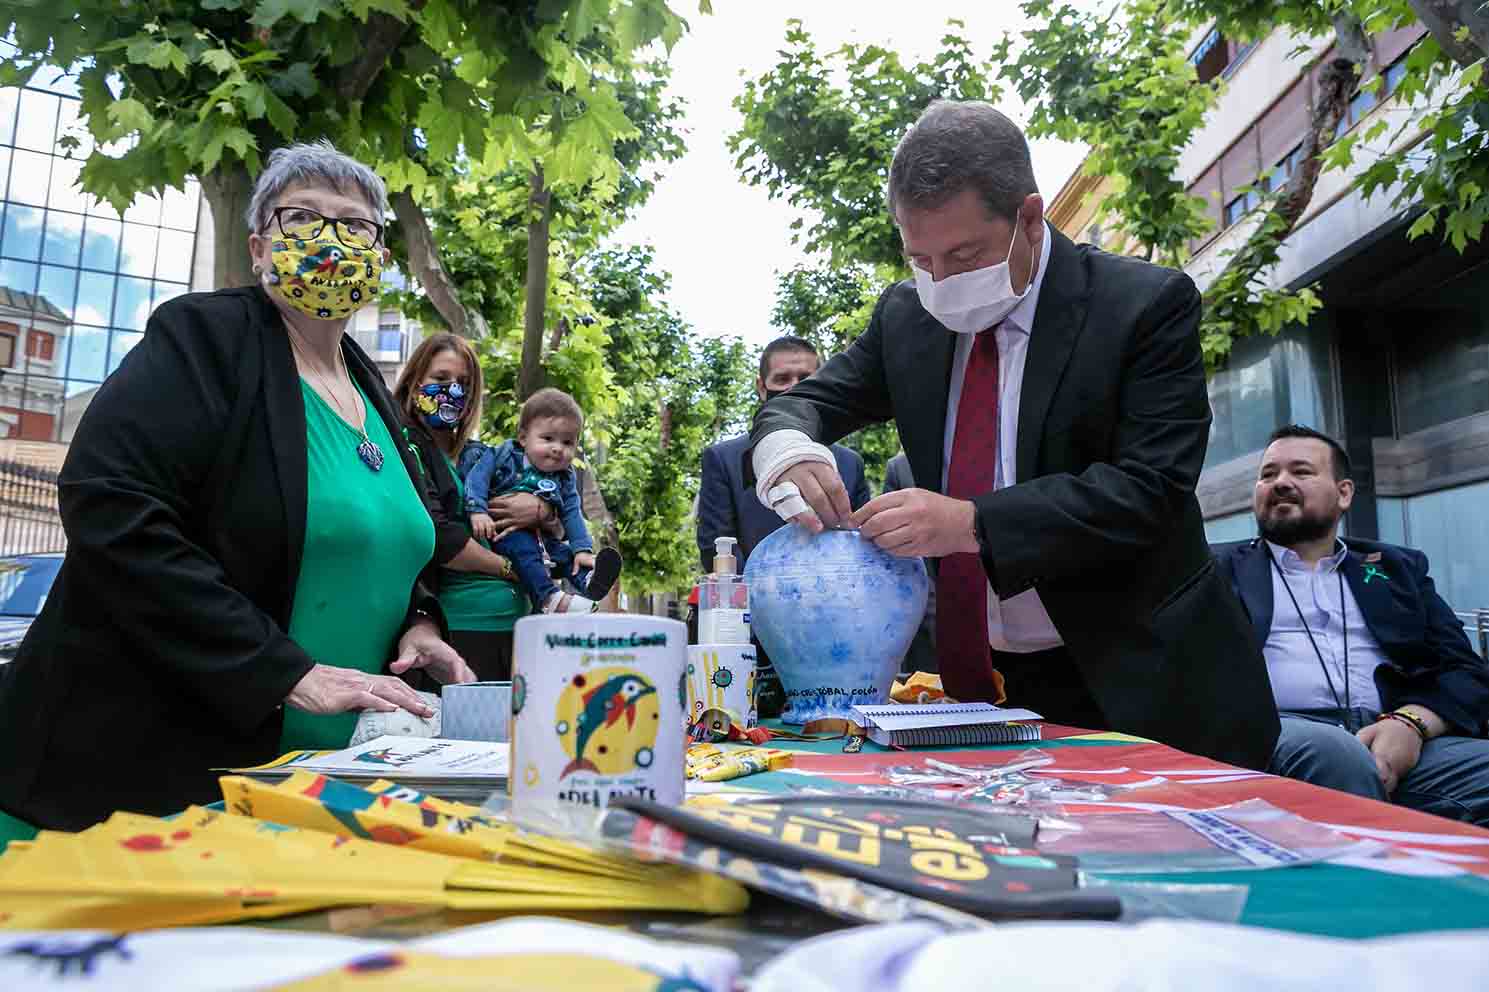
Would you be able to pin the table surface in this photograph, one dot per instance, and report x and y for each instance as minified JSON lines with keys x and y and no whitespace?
{"x":1444,"y":885}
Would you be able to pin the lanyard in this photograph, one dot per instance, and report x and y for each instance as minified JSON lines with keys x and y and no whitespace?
{"x":1344,"y":708}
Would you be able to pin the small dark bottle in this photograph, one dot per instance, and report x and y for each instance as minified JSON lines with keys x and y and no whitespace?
{"x":692,"y":618}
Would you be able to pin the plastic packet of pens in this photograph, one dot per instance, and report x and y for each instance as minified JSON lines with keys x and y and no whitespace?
{"x":708,"y":762}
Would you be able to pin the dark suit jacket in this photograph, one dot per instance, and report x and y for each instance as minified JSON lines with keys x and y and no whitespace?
{"x":162,"y":651}
{"x":441,"y":492}
{"x":1113,"y":423}
{"x":728,"y":507}
{"x":1431,"y":661}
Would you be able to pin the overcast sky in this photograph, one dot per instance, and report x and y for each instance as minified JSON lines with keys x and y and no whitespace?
{"x":723,"y":241}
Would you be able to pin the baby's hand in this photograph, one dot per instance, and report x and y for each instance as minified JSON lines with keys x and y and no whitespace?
{"x":482,"y":526}
{"x":583,"y":559}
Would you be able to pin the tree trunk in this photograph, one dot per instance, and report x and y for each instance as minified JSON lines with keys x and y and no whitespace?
{"x":423,"y":260}
{"x":1350,"y":39}
{"x":664,"y":422}
{"x":1336,"y":85}
{"x":560,"y":331}
{"x":381,"y":36}
{"x":540,"y":214}
{"x":228,"y":189}
{"x":1445,"y":17}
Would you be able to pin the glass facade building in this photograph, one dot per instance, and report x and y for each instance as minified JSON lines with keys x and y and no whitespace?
{"x":78,"y":279}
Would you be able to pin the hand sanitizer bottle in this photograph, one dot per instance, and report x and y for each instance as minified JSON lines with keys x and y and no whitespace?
{"x":723,"y":600}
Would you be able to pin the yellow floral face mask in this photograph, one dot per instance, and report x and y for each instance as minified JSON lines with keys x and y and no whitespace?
{"x":321,"y":277}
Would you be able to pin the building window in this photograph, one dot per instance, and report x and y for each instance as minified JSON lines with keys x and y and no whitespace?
{"x":7,"y":350}
{"x":1241,"y":206}
{"x":1211,"y":56}
{"x":1283,"y":170}
{"x":1393,"y":75}
{"x":1442,"y":355}
{"x":39,"y":345}
{"x":1359,"y":105}
{"x":390,"y":339}
{"x":1270,"y":381}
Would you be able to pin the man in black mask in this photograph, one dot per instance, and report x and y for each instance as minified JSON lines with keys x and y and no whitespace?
{"x":729,"y":507}
{"x":1380,"y":693}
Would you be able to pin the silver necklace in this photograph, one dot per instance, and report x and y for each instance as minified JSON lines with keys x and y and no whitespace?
{"x":367,"y":450}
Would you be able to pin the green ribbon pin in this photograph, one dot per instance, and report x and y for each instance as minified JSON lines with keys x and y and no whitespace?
{"x":1371,"y":572}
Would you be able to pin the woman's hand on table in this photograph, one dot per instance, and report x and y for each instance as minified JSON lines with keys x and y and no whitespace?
{"x":422,"y":647}
{"x":326,"y":689}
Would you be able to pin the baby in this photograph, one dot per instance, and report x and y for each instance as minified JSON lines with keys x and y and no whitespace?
{"x":540,"y":461}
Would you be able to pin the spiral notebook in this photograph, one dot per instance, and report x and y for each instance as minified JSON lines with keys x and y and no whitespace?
{"x":942,"y":724}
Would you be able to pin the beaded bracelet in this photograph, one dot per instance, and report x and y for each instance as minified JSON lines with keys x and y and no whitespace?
{"x":1411,"y":720}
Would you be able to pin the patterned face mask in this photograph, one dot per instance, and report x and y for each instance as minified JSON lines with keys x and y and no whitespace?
{"x":441,"y":404}
{"x":323,"y":278}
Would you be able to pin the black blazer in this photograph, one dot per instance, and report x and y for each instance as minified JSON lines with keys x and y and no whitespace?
{"x":442,"y":493}
{"x":1431,"y":661}
{"x":162,"y":653}
{"x":1113,"y":424}
{"x":728,"y":507}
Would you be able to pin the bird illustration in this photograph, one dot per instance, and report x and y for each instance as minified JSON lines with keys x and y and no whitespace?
{"x":603,"y":706}
{"x":322,"y":261}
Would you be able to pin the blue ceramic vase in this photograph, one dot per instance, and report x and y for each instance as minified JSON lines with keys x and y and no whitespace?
{"x":836,"y":616}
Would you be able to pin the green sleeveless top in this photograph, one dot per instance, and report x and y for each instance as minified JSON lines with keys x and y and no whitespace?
{"x":367,"y":537}
{"x":473,"y":601}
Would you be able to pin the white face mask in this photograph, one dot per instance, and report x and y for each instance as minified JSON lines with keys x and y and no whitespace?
{"x":970,"y":302}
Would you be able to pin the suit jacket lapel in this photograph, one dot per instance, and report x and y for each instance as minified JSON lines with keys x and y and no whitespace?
{"x":1058,"y":319}
{"x":931,"y":349}
{"x":1254,"y":580}
{"x":285,"y":412}
{"x":1371,"y":586}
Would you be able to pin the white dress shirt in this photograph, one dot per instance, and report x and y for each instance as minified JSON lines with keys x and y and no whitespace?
{"x":1298,"y":681}
{"x":1019,"y":623}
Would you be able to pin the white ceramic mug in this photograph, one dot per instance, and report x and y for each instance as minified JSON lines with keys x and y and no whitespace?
{"x":597,"y":708}
{"x":476,"y":711}
{"x":722,"y":677}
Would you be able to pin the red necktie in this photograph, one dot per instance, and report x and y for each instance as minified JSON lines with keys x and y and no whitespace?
{"x":961,"y":584}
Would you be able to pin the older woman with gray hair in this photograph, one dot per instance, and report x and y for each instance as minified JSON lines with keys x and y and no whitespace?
{"x":247,"y":529}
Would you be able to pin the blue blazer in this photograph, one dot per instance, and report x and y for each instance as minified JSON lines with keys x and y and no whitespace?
{"x":1431,"y":662}
{"x":727,"y":507}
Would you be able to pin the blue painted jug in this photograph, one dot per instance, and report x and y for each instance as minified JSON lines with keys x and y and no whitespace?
{"x":835,"y":614}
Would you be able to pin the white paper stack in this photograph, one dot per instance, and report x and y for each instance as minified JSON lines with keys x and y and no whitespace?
{"x":460,"y":771}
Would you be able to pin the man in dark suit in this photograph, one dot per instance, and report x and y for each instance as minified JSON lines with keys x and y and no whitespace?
{"x":1051,"y":400}
{"x":1381,"y":694}
{"x":729,"y":507}
{"x":922,"y":654}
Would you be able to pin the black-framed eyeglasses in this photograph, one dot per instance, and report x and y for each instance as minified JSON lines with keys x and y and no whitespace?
{"x":353,"y":232}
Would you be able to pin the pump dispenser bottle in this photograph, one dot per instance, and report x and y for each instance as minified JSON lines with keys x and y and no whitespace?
{"x":723,"y":600}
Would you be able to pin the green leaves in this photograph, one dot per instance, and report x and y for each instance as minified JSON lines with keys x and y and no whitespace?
{"x":270,"y":12}
{"x":640,"y":22}
{"x":219,"y":60}
{"x":819,"y":131}
{"x":157,"y":54}
{"x":127,"y":117}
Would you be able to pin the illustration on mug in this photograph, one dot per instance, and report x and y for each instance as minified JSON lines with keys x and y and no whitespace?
{"x":607,"y":720}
